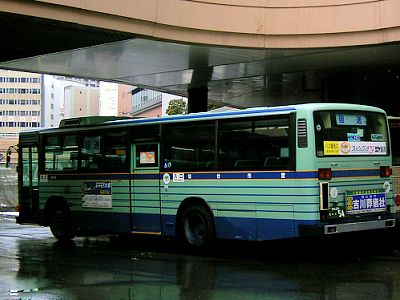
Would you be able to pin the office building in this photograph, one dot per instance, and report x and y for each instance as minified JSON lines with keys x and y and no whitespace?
{"x":20,"y":105}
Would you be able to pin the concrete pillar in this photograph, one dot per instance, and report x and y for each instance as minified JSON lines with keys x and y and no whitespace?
{"x":197,"y":99}
{"x":202,"y":74}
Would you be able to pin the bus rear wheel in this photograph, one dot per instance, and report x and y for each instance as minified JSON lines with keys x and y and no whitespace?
{"x":196,"y":231}
{"x":60,"y":224}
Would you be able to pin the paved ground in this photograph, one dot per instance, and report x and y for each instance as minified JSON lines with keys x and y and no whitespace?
{"x":33,"y":265}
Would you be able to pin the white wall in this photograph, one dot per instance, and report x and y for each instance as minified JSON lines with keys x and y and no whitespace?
{"x":108,"y":99}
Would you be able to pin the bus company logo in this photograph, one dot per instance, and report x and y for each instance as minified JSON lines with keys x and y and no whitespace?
{"x":166,"y":178}
{"x":345,"y":147}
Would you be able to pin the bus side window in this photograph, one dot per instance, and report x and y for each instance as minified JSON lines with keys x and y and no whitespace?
{"x":91,"y":157}
{"x":61,"y":153}
{"x":254,"y":144}
{"x":190,"y":146}
{"x":115,"y":151}
{"x":51,"y":149}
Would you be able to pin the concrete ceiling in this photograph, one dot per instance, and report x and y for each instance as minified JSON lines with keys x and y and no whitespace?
{"x":230,"y":74}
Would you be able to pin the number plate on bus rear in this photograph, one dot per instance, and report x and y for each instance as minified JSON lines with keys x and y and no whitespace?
{"x":365,"y":201}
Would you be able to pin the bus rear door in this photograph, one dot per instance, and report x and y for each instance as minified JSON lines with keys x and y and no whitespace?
{"x":145,"y":191}
{"x":28,"y":184}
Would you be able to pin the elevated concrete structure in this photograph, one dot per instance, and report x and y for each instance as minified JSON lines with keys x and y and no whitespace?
{"x":242,"y":52}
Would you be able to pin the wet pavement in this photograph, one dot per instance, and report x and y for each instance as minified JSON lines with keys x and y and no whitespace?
{"x":33,"y":265}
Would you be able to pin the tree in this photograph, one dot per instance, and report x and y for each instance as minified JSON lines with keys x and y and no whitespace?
{"x":176,"y":107}
{"x":213,"y":105}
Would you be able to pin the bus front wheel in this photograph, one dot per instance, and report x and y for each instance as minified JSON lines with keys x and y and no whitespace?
{"x":60,"y":224}
{"x":196,"y":228}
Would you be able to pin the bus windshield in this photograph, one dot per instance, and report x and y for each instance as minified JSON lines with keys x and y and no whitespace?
{"x":350,"y":133}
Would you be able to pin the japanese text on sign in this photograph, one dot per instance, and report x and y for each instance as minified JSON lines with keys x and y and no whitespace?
{"x":354,"y":148}
{"x":365,"y":201}
{"x":97,"y":194}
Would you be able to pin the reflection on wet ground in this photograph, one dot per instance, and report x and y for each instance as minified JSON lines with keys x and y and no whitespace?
{"x":33,"y":265}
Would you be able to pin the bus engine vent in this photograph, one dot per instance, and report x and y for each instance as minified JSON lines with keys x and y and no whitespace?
{"x":302,"y":133}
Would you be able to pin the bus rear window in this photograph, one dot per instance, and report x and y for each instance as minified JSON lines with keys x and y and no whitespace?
{"x":350,"y":133}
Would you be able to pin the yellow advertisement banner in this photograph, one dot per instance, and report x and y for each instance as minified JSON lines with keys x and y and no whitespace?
{"x":354,"y":148}
{"x":331,"y":148}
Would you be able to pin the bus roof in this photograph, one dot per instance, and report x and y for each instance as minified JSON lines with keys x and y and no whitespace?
{"x":90,"y":122}
{"x":250,"y":112}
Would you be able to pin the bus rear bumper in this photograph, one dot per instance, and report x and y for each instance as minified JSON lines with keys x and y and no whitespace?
{"x":359,"y":226}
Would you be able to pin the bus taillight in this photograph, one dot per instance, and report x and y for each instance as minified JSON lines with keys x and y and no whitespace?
{"x":385,"y":171}
{"x":397,"y":200}
{"x":324,"y":174}
{"x":323,"y":214}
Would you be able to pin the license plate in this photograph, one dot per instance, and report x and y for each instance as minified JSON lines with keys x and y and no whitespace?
{"x":365,"y":201}
{"x":336,"y":212}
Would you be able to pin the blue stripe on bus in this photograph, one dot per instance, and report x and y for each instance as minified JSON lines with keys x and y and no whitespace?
{"x":153,"y":176}
{"x":258,"y":229}
{"x":226,"y":227}
{"x":78,"y":176}
{"x":284,"y":174}
{"x":269,"y":211}
{"x":355,"y":173}
{"x":240,"y":195}
{"x":254,"y":175}
{"x":165,"y":201}
{"x":239,"y":187}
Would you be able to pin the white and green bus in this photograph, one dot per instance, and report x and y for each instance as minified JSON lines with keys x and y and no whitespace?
{"x":254,"y":174}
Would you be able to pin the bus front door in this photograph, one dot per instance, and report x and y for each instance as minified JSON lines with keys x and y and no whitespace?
{"x":29,"y":189}
{"x":145,"y":191}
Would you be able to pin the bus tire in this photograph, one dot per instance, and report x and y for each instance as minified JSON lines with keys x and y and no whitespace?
{"x":196,"y":230}
{"x":60,"y":224}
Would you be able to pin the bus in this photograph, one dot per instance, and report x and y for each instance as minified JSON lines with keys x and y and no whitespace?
{"x":255,"y":174}
{"x":394,"y":129}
